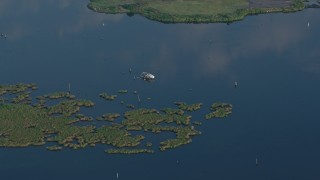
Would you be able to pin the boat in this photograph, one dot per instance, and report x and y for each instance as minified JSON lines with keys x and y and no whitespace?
{"x":147,"y":76}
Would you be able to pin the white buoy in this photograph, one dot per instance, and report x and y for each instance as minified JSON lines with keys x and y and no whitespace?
{"x":117,"y":175}
{"x":308,"y":24}
{"x":235,"y":84}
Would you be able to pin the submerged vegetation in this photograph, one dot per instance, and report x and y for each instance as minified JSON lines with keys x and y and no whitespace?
{"x":195,"y":11}
{"x":25,"y":122}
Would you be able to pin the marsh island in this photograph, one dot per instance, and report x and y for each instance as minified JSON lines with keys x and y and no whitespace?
{"x":195,"y":11}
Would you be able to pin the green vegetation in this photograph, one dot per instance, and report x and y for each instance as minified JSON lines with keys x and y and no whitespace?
{"x":128,"y":151}
{"x":108,"y":97}
{"x":22,"y":92}
{"x":22,"y":125}
{"x":17,"y":88}
{"x":58,"y":95}
{"x":173,"y":111}
{"x":130,"y":106}
{"x":54,"y":148}
{"x":109,"y":117}
{"x":22,"y":98}
{"x":82,"y":117}
{"x":197,"y":123}
{"x":69,"y":107}
{"x":150,"y":120}
{"x":195,"y":11}
{"x":123,"y":91}
{"x":187,"y":107}
{"x":219,"y":110}
{"x":144,"y":117}
{"x":183,"y":137}
{"x":79,"y":137}
{"x":25,"y":123}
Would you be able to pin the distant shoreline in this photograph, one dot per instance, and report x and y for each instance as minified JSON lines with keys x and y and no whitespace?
{"x":171,"y":13}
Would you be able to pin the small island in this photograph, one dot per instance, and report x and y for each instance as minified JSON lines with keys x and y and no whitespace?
{"x":122,"y":91}
{"x":58,"y":95}
{"x":130,"y":106}
{"x":128,"y":151}
{"x":195,"y":11}
{"x":188,"y":107}
{"x":108,"y":97}
{"x":219,"y":110}
{"x":109,"y":117}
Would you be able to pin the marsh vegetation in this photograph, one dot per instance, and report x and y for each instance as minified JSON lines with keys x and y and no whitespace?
{"x":24,"y":122}
{"x":195,"y":11}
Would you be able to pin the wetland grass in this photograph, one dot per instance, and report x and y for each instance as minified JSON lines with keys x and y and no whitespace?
{"x":82,"y":117}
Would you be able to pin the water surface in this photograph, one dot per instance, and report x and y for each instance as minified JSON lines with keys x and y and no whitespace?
{"x":274,"y":58}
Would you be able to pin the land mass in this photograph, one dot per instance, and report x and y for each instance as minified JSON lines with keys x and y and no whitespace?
{"x":195,"y":11}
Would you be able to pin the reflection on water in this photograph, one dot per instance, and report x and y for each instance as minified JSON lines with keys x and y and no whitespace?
{"x":207,"y":48}
{"x":63,"y":17}
{"x":274,"y":58}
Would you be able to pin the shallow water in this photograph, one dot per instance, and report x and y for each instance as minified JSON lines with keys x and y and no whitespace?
{"x":274,"y":58}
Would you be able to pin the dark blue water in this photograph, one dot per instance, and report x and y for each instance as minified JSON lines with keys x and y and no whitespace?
{"x":275,"y":59}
